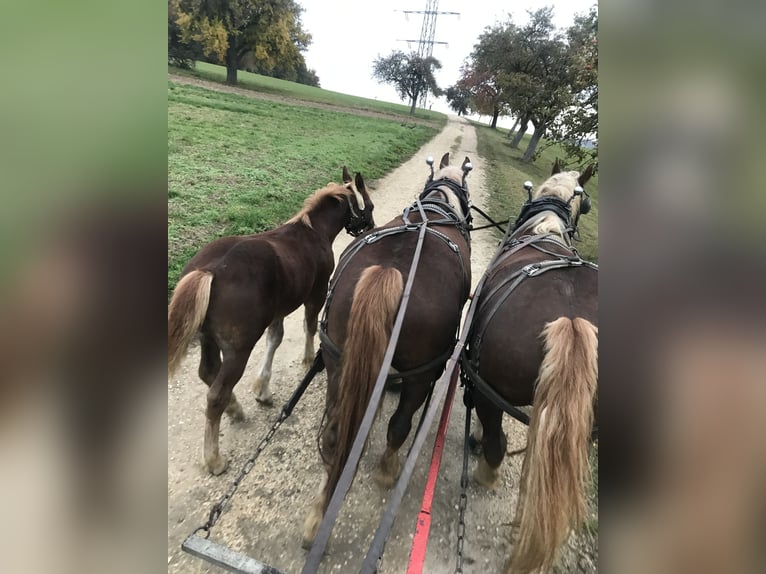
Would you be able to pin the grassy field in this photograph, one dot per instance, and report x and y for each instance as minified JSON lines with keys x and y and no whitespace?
{"x":269,"y":85}
{"x":239,"y":165}
{"x":506,"y":176}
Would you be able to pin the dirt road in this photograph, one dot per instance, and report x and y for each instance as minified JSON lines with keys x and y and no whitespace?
{"x":266,"y":516}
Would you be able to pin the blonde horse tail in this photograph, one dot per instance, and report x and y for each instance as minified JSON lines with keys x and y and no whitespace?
{"x":555,"y":473}
{"x":186,"y":313}
{"x":370,"y":321}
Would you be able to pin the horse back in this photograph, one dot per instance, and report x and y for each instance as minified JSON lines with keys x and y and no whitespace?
{"x":509,"y":349}
{"x":265,"y":275}
{"x":439,"y":291}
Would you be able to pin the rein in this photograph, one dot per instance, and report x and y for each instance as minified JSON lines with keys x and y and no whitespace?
{"x":349,"y":470}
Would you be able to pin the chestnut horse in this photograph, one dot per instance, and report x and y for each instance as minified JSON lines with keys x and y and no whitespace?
{"x":534,"y":340}
{"x":236,"y":287}
{"x":364,"y":299}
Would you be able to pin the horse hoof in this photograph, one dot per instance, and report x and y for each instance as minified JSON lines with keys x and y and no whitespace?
{"x":383,"y":478}
{"x":265,"y":401}
{"x":310,"y":528}
{"x":394,"y":386}
{"x":235,"y":413}
{"x":218,"y":467}
{"x":237,"y":416}
{"x":486,"y":476}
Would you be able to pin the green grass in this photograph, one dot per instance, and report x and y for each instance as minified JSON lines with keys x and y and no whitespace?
{"x":303,"y":92}
{"x":506,"y":175}
{"x":239,"y":165}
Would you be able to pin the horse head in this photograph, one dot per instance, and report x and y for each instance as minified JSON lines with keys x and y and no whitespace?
{"x":359,"y":203}
{"x":569,"y":186}
{"x":453,"y":177}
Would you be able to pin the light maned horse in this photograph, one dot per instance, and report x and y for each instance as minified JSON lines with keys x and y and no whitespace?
{"x":236,"y":287}
{"x":537,"y":344}
{"x":365,"y":297}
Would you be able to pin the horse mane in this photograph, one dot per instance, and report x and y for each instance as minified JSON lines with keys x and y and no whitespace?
{"x":331,"y":190}
{"x":559,"y":185}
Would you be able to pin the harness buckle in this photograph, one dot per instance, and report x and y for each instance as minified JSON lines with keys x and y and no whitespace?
{"x":532,"y":269}
{"x":371,"y":238}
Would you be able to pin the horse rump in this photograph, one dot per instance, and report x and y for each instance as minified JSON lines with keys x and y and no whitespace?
{"x":186,"y":313}
{"x":555,"y":472}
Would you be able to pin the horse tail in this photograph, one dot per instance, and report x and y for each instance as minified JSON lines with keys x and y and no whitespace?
{"x":555,"y":472}
{"x":370,"y":321}
{"x":186,"y":313}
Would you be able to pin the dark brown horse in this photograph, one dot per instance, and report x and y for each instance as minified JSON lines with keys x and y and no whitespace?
{"x":236,"y":287}
{"x":365,"y":295}
{"x":534,"y":340}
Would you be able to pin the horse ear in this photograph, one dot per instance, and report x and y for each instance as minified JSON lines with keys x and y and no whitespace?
{"x":346,"y":175}
{"x":465,"y":162}
{"x":359,"y":182}
{"x":445,"y":161}
{"x":556,"y":167}
{"x":585,"y":176}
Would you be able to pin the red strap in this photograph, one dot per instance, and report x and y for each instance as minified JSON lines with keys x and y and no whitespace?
{"x":423,"y":526}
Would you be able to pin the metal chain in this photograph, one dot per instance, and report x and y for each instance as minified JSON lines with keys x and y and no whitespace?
{"x":287,"y":409}
{"x":217,"y":510}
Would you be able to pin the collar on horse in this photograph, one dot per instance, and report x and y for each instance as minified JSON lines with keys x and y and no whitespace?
{"x":534,"y":207}
{"x":461,"y":191}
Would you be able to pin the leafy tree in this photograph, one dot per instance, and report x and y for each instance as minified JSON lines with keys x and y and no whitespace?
{"x":576,"y":129}
{"x":539,"y":75}
{"x":268,"y":32}
{"x":180,"y":53}
{"x":489,"y":65}
{"x":411,"y":75}
{"x":458,"y":99}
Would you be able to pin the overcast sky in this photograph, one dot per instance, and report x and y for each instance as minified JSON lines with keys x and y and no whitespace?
{"x":348,"y":35}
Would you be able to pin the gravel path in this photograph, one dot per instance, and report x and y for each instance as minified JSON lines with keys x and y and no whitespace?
{"x":266,"y":516}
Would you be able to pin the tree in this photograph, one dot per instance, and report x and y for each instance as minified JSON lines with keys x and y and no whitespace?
{"x":180,"y":53}
{"x":576,"y":129}
{"x":268,"y":32}
{"x":411,"y":75}
{"x":458,"y":99}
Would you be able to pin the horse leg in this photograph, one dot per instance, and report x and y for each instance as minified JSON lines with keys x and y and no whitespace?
{"x":413,"y":395}
{"x":474,"y":439}
{"x":310,"y":327}
{"x":218,"y":399}
{"x":261,"y":384}
{"x":493,"y":442}
{"x":209,"y":365}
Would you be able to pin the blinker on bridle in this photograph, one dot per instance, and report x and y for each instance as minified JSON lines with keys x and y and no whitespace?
{"x":357,"y":223}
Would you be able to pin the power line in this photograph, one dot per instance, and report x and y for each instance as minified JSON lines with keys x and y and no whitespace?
{"x":427,"y":34}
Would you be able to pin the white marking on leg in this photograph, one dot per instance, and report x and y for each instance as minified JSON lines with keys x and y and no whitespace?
{"x":485,"y":475}
{"x":388,"y":468}
{"x":314,"y":518}
{"x":478,"y":430}
{"x":273,"y":340}
{"x":216,"y":464}
{"x":308,"y":355}
{"x":234,"y":409}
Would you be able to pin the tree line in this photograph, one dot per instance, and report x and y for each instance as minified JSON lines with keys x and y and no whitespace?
{"x":261,"y":36}
{"x":535,"y":73}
